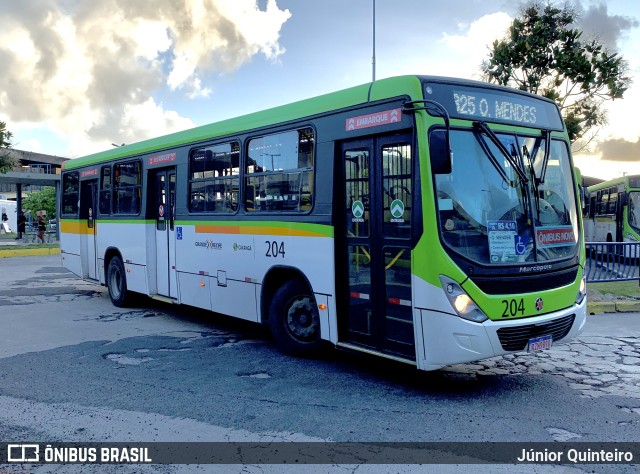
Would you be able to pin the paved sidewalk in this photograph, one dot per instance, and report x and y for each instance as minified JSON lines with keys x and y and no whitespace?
{"x":603,"y":360}
{"x":27,"y":246}
{"x":10,"y":240}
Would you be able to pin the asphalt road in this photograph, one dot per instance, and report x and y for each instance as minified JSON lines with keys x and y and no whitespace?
{"x":73,"y":368}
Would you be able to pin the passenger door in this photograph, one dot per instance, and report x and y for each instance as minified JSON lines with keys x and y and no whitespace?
{"x":164,"y":199}
{"x":374,"y":248}
{"x":88,"y":212}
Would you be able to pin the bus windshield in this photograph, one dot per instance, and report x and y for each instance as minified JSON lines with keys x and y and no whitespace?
{"x":505,"y":201}
{"x":634,"y":210}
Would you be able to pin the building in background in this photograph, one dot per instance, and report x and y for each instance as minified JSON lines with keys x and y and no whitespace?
{"x":32,"y":172}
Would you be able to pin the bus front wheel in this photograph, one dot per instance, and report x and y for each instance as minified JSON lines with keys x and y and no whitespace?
{"x":294,"y":320}
{"x":117,"y":282}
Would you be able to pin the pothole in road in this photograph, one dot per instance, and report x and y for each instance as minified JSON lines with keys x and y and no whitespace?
{"x":256,"y":375}
{"x":124,"y":360}
{"x":128,"y":315}
{"x":558,"y":434}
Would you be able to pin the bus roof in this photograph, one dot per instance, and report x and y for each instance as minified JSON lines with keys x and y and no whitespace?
{"x":378,"y":90}
{"x":635,"y":179}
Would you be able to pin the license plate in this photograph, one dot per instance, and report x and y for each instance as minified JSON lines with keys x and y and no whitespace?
{"x":539,"y":343}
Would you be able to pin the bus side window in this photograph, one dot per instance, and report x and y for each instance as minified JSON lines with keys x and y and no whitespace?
{"x":214,"y":178}
{"x":127,"y":187}
{"x":105,"y":190}
{"x":70,"y":193}
{"x":613,"y":202}
{"x":279,"y":172}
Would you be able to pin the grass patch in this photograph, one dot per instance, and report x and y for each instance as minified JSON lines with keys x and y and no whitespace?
{"x":629,"y":289}
{"x":31,"y":246}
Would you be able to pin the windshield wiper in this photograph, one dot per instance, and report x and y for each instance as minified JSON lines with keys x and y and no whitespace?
{"x":534,"y":184}
{"x":533,"y":155}
{"x":484,"y":128}
{"x":517,"y":163}
{"x":547,"y":150}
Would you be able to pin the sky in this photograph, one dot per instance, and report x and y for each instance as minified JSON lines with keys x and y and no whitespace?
{"x":78,"y":76}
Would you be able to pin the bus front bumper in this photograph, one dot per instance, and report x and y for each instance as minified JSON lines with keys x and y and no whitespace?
{"x":449,"y":339}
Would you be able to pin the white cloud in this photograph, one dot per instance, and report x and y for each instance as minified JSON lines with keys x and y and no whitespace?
{"x":30,"y":145}
{"x":222,"y":35}
{"x":593,"y":166}
{"x":464,"y":50}
{"x":91,"y":72}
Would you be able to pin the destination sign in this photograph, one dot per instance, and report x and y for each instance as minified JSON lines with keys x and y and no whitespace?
{"x":376,"y":119}
{"x":88,"y":173}
{"x":162,"y":159}
{"x":492,"y":105}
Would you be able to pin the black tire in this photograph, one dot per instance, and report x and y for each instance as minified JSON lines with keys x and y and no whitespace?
{"x":294,"y":320}
{"x":117,"y":282}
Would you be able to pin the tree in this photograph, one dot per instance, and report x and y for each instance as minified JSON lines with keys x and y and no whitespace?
{"x":44,"y":200}
{"x":542,"y":53}
{"x":6,"y":161}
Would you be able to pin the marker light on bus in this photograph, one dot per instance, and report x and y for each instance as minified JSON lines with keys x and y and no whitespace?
{"x":461,"y":302}
{"x":582,"y":292}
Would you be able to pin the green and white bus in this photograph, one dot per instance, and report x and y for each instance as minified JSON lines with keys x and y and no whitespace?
{"x":612,"y":213}
{"x":428,"y":220}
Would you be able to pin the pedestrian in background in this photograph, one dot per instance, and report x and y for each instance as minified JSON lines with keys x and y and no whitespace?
{"x":5,"y":223}
{"x":22,"y":224}
{"x":41,"y":228}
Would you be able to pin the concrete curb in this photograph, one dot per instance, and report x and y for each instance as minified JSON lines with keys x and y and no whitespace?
{"x":18,"y":252}
{"x":598,"y":307}
{"x":628,"y":306}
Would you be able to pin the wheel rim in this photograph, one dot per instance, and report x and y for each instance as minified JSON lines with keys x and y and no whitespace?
{"x":303,"y":322}
{"x":115,"y":282}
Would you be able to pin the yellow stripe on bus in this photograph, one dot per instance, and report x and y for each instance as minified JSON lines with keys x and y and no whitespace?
{"x":76,"y":227}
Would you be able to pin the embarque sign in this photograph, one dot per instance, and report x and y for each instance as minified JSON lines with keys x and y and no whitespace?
{"x":374,"y":120}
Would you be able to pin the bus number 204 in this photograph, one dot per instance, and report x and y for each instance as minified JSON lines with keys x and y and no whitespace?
{"x":274,"y":249}
{"x":512,"y":308}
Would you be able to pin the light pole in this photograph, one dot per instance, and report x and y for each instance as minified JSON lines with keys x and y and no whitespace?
{"x":373,"y":61}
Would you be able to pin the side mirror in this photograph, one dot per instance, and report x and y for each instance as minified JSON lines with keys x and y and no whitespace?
{"x":440,"y":152}
{"x":584,"y":196}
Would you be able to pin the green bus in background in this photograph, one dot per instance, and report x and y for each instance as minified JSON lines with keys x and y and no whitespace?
{"x":427,"y":220}
{"x":612,"y":213}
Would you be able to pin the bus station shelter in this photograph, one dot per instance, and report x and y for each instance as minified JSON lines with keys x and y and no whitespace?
{"x":21,"y":179}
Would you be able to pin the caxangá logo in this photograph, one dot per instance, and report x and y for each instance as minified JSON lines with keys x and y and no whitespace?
{"x":237,"y":247}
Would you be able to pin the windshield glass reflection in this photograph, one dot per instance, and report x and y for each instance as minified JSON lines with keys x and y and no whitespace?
{"x":492,"y":213}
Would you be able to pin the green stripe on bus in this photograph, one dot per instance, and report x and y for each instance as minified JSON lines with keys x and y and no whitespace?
{"x":362,"y":94}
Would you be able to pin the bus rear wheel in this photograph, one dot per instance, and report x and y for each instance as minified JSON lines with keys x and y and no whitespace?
{"x":117,"y":282}
{"x":294,"y":320}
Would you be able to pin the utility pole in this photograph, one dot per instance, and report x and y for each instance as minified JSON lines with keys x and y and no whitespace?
{"x":373,"y":62}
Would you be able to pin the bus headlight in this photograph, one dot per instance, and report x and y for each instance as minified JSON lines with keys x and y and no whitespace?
{"x":461,"y":302}
{"x":582,"y":292}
